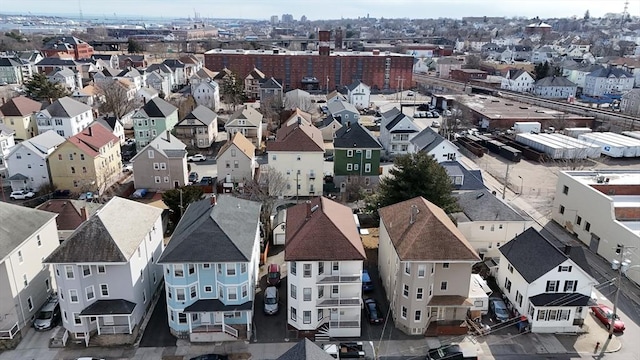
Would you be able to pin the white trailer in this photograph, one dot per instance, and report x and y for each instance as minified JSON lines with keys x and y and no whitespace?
{"x":630,"y":150}
{"x":532,"y":140}
{"x":624,"y":140}
{"x":574,"y":132}
{"x":607,"y":147}
{"x":589,"y":150}
{"x":632,"y":134}
{"x":527,"y":127}
{"x":570,"y":152}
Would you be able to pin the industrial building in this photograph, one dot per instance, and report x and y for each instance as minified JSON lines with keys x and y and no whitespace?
{"x":319,"y":70}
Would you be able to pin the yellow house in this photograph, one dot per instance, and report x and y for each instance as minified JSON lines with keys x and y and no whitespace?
{"x":19,"y":115}
{"x":87,"y":161}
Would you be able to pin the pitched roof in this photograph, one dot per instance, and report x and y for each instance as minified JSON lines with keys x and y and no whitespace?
{"x":554,"y":81}
{"x":5,"y":130}
{"x":170,"y":147}
{"x":112,"y":234}
{"x":354,"y":85}
{"x":173,"y":63}
{"x":532,"y":254}
{"x":205,"y":73}
{"x":67,"y":107}
{"x":396,"y":120}
{"x":161,"y":68}
{"x":246,"y":113}
{"x":9,"y":62}
{"x":242,"y":143}
{"x":158,"y":108}
{"x":40,"y":144}
{"x":17,"y":224}
{"x":427,"y":139}
{"x":610,"y":72}
{"x":256,"y":74}
{"x":92,"y":138}
{"x":340,"y":105}
{"x":65,"y":72}
{"x":432,"y":236}
{"x":326,"y":222}
{"x":297,"y":137}
{"x":516,"y":73}
{"x":224,"y":232}
{"x":69,"y":211}
{"x":481,"y":205}
{"x":299,"y":113}
{"x":355,"y":136}
{"x":305,"y":349}
{"x":271,"y":83}
{"x":203,"y":114}
{"x":54,"y":61}
{"x":472,"y":178}
{"x":20,"y":106}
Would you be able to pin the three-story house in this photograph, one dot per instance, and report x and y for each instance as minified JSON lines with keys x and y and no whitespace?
{"x":154,"y":118}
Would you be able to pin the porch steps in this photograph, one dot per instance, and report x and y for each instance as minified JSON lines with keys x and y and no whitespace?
{"x":322,"y":334}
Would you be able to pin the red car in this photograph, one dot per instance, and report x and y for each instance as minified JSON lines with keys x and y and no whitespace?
{"x":604,"y":314}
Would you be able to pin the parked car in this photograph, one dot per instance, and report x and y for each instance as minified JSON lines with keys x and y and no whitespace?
{"x":206,"y":180}
{"x":435,"y":124}
{"x":605,"y":314}
{"x":197,"y":158}
{"x":21,"y":195}
{"x":446,"y":352}
{"x":140,"y":193}
{"x":374,"y":314}
{"x":210,"y":357}
{"x":271,"y":299}
{"x":273,"y":275}
{"x":48,"y":316}
{"x":193,"y":177}
{"x":88,"y":196}
{"x":127,"y":167}
{"x":61,"y":194}
{"x":410,"y":93}
{"x":367,"y":284}
{"x":498,"y":309}
{"x":328,"y":158}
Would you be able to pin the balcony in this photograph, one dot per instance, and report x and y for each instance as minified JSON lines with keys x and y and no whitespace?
{"x":339,"y":279}
{"x":341,"y":324}
{"x":335,"y":302}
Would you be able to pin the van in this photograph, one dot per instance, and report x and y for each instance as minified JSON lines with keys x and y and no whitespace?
{"x":271,"y":299}
{"x":48,"y":316}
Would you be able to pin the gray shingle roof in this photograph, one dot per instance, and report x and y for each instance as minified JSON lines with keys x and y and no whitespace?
{"x":610,"y":72}
{"x":171,"y":147}
{"x":109,"y":307}
{"x":340,"y":105}
{"x":66,"y":107}
{"x":426,"y":140}
{"x":17,"y":224}
{"x":271,"y":83}
{"x":224,"y":232}
{"x":472,"y":178}
{"x":40,"y":144}
{"x":481,"y":205}
{"x":554,"y":81}
{"x":158,"y":108}
{"x":355,"y":136}
{"x":112,"y":234}
{"x":305,"y":349}
{"x":202,"y":114}
{"x":8,"y":62}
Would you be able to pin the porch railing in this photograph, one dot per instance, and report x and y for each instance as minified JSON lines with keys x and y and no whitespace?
{"x":230,"y":330}
{"x":9,"y":334}
{"x":65,"y":337}
{"x":114,"y":329}
{"x":344,"y":324}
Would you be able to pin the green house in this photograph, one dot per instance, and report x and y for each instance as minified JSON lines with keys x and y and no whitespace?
{"x":356,"y":157}
{"x":153,"y":119}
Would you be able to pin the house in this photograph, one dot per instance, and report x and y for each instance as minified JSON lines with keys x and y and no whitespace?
{"x":328,"y":126}
{"x":487,"y":222}
{"x":252,"y":83}
{"x":147,"y":93}
{"x":344,"y":110}
{"x":65,"y":116}
{"x":211,"y":270}
{"x":199,"y":128}
{"x":90,"y":95}
{"x":7,"y":141}
{"x":543,"y":54}
{"x":550,"y":286}
{"x":49,"y":65}
{"x":154,"y":118}
{"x":396,"y":132}
{"x":161,"y":78}
{"x":107,"y":276}
{"x":179,"y":72}
{"x":136,"y":78}
{"x":69,"y":79}
{"x":630,"y":103}
{"x":109,"y":59}
{"x":71,"y":214}
{"x":425,"y":267}
{"x":10,"y":71}
{"x":201,"y":75}
{"x":578,"y":74}
{"x":88,"y":161}
{"x":298,"y":154}
{"x":554,"y":87}
{"x":356,"y":157}
{"x":271,"y":91}
{"x":432,"y":143}
{"x":162,"y":164}
{"x":26,"y":283}
{"x":518,"y":80}
{"x":19,"y":114}
{"x":29,"y":59}
{"x":223,"y":75}
{"x":297,"y":99}
{"x":247,"y":121}
{"x":446,"y":64}
{"x":236,"y":161}
{"x":305,"y":349}
{"x":207,"y":93}
{"x":598,"y":208}
{"x":359,"y":94}
{"x":461,"y":178}
{"x":27,"y":161}
{"x":609,"y":80}
{"x":114,"y":125}
{"x":67,"y":47}
{"x":191,"y":65}
{"x":329,"y":299}
{"x":135,"y":61}
{"x":298,"y":115}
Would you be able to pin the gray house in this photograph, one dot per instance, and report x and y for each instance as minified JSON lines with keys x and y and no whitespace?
{"x":161,"y":165}
{"x":271,"y":89}
{"x":344,"y":110}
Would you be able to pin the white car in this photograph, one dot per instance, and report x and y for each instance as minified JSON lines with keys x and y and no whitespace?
{"x":21,"y":195}
{"x":127,"y":167}
{"x":197,"y":157}
{"x":435,"y":124}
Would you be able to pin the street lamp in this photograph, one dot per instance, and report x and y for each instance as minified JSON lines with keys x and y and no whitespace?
{"x":521,"y":184}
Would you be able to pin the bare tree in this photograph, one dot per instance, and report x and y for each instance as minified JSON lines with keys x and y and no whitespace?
{"x":184,"y":104}
{"x":116,"y":98}
{"x":355,"y":189}
{"x":266,"y":189}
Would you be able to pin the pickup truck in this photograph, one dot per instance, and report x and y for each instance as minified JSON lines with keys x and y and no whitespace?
{"x":197,"y":157}
{"x":345,"y":350}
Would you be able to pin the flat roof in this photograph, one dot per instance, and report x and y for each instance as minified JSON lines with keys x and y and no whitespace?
{"x":615,"y":177}
{"x":626,"y":201}
{"x":300,"y":53}
{"x":634,"y":226}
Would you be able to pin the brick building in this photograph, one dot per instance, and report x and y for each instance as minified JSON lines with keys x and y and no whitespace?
{"x":67,"y":47}
{"x":468,"y":74}
{"x":318,"y":70}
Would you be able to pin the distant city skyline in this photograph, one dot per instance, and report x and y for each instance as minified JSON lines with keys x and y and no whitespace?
{"x":319,"y":10}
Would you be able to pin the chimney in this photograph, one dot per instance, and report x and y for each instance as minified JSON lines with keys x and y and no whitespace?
{"x":414,"y":214}
{"x":3,"y":101}
{"x":299,"y":120}
{"x":567,"y":249}
{"x":83,"y":213}
{"x":214,"y":200}
{"x":144,"y":100}
{"x":90,"y":133}
{"x":168,"y":135}
{"x":308,"y":202}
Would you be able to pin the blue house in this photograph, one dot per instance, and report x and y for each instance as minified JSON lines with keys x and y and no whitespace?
{"x":211,"y":270}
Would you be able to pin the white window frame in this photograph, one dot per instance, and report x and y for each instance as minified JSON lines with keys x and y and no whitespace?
{"x":66,"y":272}
{"x":71,"y":295}
{"x":102,"y":290}
{"x":93,"y":292}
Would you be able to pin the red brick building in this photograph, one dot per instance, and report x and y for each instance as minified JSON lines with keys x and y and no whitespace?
{"x":468,"y":74}
{"x":318,"y":70}
{"x":67,"y":47}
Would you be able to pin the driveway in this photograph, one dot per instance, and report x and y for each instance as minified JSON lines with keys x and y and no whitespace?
{"x":271,"y":328}
{"x":157,"y":333}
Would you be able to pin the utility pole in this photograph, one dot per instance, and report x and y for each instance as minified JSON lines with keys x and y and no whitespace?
{"x":506,"y":180}
{"x":181,"y":207}
{"x":621,"y":266}
{"x":400,"y":86}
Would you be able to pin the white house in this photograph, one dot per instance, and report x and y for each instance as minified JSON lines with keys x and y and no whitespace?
{"x":554,"y":87}
{"x":550,"y":286}
{"x":298,"y":154}
{"x":359,"y":94}
{"x":432,"y":143}
{"x":27,"y":161}
{"x":396,"y":132}
{"x":114,"y":125}
{"x":69,"y":79}
{"x":325,"y":282}
{"x":609,"y":80}
{"x":106,"y":272}
{"x":207,"y":93}
{"x":247,"y":121}
{"x":25,"y":282}
{"x":236,"y":161}
{"x":518,"y":80}
{"x":65,"y":116}
{"x":7,"y":141}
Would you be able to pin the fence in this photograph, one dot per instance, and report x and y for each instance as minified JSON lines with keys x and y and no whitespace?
{"x":11,"y":333}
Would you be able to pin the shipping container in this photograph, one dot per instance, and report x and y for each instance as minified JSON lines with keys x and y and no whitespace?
{"x":527,"y":127}
{"x":494,"y":146}
{"x":606,"y":147}
{"x":585,"y":149}
{"x":630,"y":148}
{"x":510,"y":153}
{"x":533,"y":140}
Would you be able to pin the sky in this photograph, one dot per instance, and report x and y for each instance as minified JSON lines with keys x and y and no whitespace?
{"x":317,"y":10}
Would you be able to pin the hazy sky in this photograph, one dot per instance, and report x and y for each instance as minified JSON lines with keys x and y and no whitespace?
{"x":321,"y":9}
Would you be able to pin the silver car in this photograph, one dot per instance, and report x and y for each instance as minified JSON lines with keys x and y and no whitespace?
{"x":271,"y":299}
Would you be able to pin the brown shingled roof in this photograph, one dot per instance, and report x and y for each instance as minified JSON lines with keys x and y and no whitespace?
{"x":242,"y":143}
{"x":322,"y":229}
{"x":297,"y":137}
{"x":20,"y":106}
{"x":91,"y":139}
{"x":69,"y":212}
{"x":431,"y":237}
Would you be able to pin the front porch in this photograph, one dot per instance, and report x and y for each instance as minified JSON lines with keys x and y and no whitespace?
{"x":447,"y":315}
{"x":210,"y":320}
{"x":108,"y":317}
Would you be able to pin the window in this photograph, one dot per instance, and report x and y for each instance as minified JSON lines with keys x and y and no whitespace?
{"x":561,"y":209}
{"x":73,"y":170}
{"x":89,"y":292}
{"x":30,"y":303}
{"x":510,"y":268}
{"x":293,"y":292}
{"x":180,"y":296}
{"x":570,"y":285}
{"x":84,"y":170}
{"x":367,"y":167}
{"x":178,"y":270}
{"x":294,"y":314}
{"x":405,"y":290}
{"x":70,"y":156}
{"x":68,"y":269}
{"x":419,"y":293}
{"x":81,"y":156}
{"x":335,"y":290}
{"x":418,"y":315}
{"x":157,"y":179}
{"x":320,"y":291}
{"x":306,"y":317}
{"x":47,"y":285}
{"x":356,"y":166}
{"x":104,"y":290}
{"x":243,"y":268}
{"x":407,"y":268}
{"x":219,"y":268}
{"x":565,"y":190}
{"x":443,"y":286}
{"x":182,"y":318}
{"x":150,"y":154}
{"x":73,"y":296}
{"x":293,"y":268}
{"x":208,"y":288}
{"x":102,"y":269}
{"x":587,"y":226}
{"x":552,"y":286}
{"x":76,"y":319}
{"x":191,"y":268}
{"x":507,"y":284}
{"x":320,"y":314}
{"x":335,"y":266}
{"x":349,"y":167}
{"x":20,"y":259}
{"x":163,"y":166}
{"x":321,"y":268}
{"x":245,"y":290}
{"x":231,"y":269}
{"x":206,"y":266}
{"x":232,"y":293}
{"x":298,"y":157}
{"x":404,"y":312}
{"x":578,"y":220}
{"x":86,"y":270}
{"x":39,"y":241}
{"x":367,"y":154}
{"x":518,"y":298}
{"x":349,"y":153}
{"x":564,"y":268}
{"x":306,"y":294}
{"x":445,"y":265}
{"x":422,"y":269}
{"x":193,"y":292}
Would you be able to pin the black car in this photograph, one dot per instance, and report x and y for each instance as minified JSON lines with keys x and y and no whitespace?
{"x":423,"y":107}
{"x":206,"y":180}
{"x":447,"y":352}
{"x":210,"y":357}
{"x":374,"y":314}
